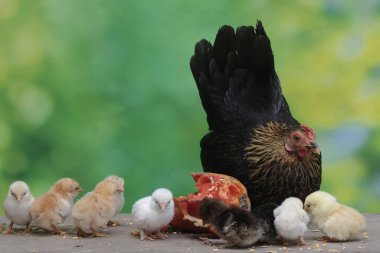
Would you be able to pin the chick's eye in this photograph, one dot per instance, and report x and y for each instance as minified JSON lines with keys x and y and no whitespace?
{"x":77,"y":188}
{"x":13,"y":194}
{"x":24,"y":194}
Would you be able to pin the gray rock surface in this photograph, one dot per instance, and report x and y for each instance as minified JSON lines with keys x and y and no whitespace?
{"x":121,"y":240}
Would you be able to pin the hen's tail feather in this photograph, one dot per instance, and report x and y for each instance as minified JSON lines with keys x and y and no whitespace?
{"x":263,"y":58}
{"x":236,"y":77}
{"x":224,"y":43}
{"x":210,"y":94}
{"x":245,"y":36}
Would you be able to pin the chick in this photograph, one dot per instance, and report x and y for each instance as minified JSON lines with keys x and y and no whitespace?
{"x":264,"y":213}
{"x":237,"y":226}
{"x":52,"y":208}
{"x":151,"y":213}
{"x":291,"y":220}
{"x":118,"y":198}
{"x":17,"y":206}
{"x":96,"y":208}
{"x":337,"y":221}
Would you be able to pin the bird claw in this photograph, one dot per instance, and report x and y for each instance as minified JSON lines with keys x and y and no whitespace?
{"x":8,"y":231}
{"x":58,"y":232}
{"x":161,"y":235}
{"x":97,"y":234}
{"x":113,"y":223}
{"x":145,"y":237}
{"x":325,"y":239}
{"x":301,"y":241}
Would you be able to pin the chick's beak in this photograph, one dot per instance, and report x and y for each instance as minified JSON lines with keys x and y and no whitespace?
{"x":18,"y":197}
{"x":121,"y":189}
{"x":80,"y":189}
{"x":162,"y":205}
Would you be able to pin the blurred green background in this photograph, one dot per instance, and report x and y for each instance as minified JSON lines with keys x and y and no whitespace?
{"x":93,"y":88}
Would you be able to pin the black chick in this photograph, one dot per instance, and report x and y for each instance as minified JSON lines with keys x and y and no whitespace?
{"x":252,"y":133}
{"x":264,"y":213}
{"x":237,"y":226}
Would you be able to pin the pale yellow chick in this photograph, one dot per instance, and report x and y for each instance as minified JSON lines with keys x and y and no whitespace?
{"x":118,"y":198}
{"x":337,"y":221}
{"x":52,"y":208}
{"x":96,"y":208}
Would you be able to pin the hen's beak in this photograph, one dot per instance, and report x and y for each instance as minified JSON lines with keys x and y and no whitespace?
{"x":312,"y":145}
{"x":162,"y":205}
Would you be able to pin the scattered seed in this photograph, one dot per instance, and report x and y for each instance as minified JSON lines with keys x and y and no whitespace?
{"x":251,"y":250}
{"x":215,"y":250}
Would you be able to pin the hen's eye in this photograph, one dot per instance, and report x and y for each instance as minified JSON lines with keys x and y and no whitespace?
{"x":296,"y":138}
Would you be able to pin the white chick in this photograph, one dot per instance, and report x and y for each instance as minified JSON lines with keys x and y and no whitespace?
{"x":151,"y":213}
{"x":118,"y":198}
{"x":291,"y":220}
{"x":52,"y":208}
{"x":17,"y":206}
{"x":95,"y":209}
{"x":337,"y":221}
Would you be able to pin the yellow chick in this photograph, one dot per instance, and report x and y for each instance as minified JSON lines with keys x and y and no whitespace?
{"x":118,"y":198}
{"x":17,"y":206}
{"x":337,"y":221}
{"x":96,"y":208}
{"x":52,"y":208}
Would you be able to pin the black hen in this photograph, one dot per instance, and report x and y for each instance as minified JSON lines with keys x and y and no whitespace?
{"x":253,"y":136}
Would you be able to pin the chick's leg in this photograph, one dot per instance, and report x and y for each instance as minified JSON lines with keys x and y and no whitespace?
{"x":282,"y":240}
{"x":9,"y":229}
{"x":301,"y":241}
{"x":80,"y":232}
{"x":95,"y":233}
{"x":56,"y":230}
{"x":27,"y":229}
{"x":144,"y":236}
{"x":161,"y":235}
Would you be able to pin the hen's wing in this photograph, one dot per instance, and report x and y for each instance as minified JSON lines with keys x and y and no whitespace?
{"x":236,"y":78}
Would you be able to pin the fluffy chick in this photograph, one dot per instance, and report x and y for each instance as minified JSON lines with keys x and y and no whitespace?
{"x":264,"y":213}
{"x":17,"y":206}
{"x":52,"y":208}
{"x":95,"y":209}
{"x":239,"y":227}
{"x":151,"y":213}
{"x":291,"y":220}
{"x":337,"y":221}
{"x":118,"y":198}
